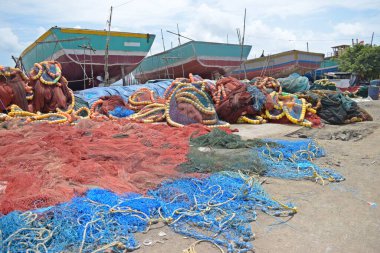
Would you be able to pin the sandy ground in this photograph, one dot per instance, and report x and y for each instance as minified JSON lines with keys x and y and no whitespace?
{"x":337,"y":217}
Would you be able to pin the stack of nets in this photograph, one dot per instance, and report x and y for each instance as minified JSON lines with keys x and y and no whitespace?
{"x":187,"y":104}
{"x":109,"y":107}
{"x":294,"y":83}
{"x":148,"y":106}
{"x":267,"y":84}
{"x":50,"y":88}
{"x":291,"y":108}
{"x":259,"y":101}
{"x":323,"y":84}
{"x":217,"y":209}
{"x":219,"y":151}
{"x":232,"y":99}
{"x":142,"y":97}
{"x":13,"y":88}
{"x":336,"y":108}
{"x":43,"y":96}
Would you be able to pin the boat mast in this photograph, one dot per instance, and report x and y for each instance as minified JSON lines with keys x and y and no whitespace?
{"x":166,"y":67}
{"x":242,"y":46}
{"x":106,"y":74}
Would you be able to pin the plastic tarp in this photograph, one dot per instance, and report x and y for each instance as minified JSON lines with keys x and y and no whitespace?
{"x":93,"y":94}
{"x":294,"y":83}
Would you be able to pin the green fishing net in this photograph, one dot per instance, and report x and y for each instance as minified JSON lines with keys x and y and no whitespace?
{"x":219,"y":151}
{"x":220,"y":139}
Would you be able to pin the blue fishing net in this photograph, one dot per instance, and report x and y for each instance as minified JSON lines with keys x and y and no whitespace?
{"x":219,"y":151}
{"x":217,"y":208}
{"x":294,"y":160}
{"x":258,"y":96}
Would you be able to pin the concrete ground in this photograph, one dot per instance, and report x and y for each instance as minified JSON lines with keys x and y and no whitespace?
{"x":337,"y":217}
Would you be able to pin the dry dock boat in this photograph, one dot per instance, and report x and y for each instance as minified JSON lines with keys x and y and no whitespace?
{"x":281,"y":65}
{"x":197,"y":57}
{"x":82,"y":53}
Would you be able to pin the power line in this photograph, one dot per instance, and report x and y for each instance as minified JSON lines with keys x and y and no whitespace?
{"x":124,"y":3}
{"x":308,"y":40}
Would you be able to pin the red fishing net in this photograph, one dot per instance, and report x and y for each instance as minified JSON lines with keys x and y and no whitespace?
{"x":43,"y":164}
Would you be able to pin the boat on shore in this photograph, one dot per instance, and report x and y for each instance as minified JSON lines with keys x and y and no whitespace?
{"x":206,"y":59}
{"x":280,"y":65}
{"x":82,"y":54}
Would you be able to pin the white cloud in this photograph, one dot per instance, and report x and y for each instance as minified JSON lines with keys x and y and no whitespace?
{"x":9,"y":42}
{"x":41,"y":30}
{"x":116,"y":29}
{"x":350,"y":29}
{"x":270,"y":23}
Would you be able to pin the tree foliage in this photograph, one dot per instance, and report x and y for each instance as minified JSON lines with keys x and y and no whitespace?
{"x":363,"y":60}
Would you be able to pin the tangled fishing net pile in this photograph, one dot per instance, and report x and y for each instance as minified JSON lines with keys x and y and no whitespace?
{"x":43,"y":164}
{"x":267,"y":157}
{"x":217,"y":208}
{"x":90,"y":187}
{"x":43,"y":95}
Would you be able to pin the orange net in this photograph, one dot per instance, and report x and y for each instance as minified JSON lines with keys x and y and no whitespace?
{"x":43,"y":164}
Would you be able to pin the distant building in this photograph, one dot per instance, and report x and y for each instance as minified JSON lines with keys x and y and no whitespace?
{"x":338,"y":50}
{"x":330,"y":63}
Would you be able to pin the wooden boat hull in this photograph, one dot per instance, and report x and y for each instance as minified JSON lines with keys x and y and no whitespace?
{"x":197,"y":57}
{"x":280,"y":65}
{"x":82,"y":53}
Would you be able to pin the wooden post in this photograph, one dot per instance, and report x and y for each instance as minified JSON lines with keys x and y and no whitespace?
{"x":123,"y":75}
{"x":106,"y":74}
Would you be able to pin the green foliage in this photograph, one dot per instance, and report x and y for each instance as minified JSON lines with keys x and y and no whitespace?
{"x":363,"y":60}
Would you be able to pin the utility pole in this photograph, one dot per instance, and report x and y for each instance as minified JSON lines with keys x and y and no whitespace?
{"x":307,"y":46}
{"x":106,"y":74}
{"x":373,"y":33}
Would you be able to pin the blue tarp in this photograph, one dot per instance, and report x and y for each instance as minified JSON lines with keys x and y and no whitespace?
{"x":93,"y":94}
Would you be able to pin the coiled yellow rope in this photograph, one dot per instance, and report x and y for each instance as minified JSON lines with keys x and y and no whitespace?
{"x":184,"y":92}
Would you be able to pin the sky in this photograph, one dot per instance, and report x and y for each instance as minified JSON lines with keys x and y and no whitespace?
{"x":272,"y":26}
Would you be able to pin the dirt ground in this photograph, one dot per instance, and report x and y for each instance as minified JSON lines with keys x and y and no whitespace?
{"x":338,"y":217}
